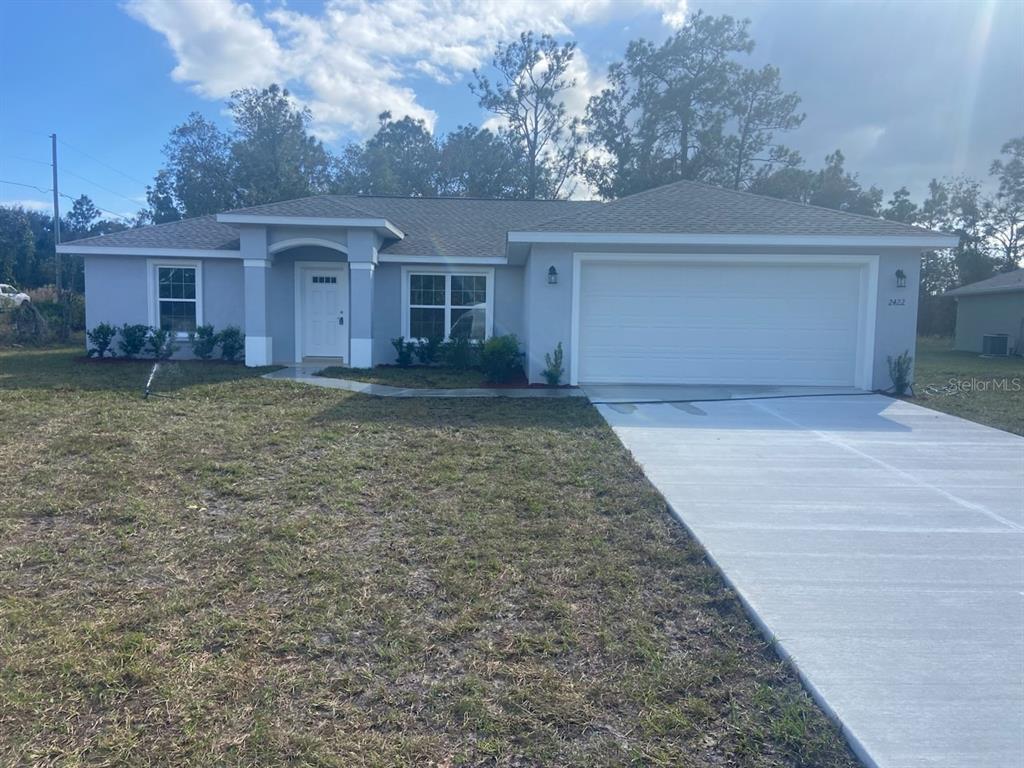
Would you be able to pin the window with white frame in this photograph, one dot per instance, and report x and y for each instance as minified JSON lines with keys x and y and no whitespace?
{"x":448,"y":304}
{"x":177,"y":300}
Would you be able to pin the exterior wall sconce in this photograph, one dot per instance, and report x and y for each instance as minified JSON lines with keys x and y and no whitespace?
{"x":552,"y":275}
{"x":901,"y":278}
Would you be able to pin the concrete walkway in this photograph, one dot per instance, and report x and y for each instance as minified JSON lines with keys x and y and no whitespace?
{"x":879,"y":543}
{"x":306,"y":375}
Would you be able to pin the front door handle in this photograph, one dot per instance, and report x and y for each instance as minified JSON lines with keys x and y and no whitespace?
{"x":341,"y":318}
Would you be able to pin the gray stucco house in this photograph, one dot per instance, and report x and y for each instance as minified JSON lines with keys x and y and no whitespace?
{"x":990,"y":314}
{"x":686,"y":283}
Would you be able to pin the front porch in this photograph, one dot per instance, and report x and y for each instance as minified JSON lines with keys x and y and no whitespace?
{"x":309,"y":295}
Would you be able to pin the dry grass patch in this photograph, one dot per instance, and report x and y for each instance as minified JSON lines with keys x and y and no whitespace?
{"x":261,"y":573}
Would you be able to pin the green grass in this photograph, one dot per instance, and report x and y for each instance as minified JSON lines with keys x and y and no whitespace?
{"x":249,"y":572}
{"x":941,"y":375}
{"x":416,"y":377}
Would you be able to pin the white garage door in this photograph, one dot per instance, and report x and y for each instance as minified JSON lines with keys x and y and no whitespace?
{"x":719,"y":323}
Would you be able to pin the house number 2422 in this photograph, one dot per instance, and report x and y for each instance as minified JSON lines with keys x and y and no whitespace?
{"x":897,"y":302}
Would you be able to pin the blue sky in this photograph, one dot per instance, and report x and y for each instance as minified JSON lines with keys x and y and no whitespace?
{"x":908,"y":90}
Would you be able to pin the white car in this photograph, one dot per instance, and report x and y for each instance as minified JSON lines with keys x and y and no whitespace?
{"x":11,"y":296}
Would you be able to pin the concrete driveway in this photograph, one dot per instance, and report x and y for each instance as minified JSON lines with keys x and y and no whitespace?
{"x":879,"y":543}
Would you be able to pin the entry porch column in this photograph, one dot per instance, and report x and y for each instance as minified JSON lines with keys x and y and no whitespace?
{"x":256,"y":262}
{"x":362,"y":261}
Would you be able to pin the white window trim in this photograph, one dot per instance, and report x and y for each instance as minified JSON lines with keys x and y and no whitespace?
{"x":487,"y":273}
{"x":152,"y":281}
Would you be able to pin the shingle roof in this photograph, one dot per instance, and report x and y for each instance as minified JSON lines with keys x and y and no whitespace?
{"x":202,"y":232}
{"x":320,"y":206}
{"x":688,"y":207}
{"x":445,"y":226}
{"x":1002,"y":283}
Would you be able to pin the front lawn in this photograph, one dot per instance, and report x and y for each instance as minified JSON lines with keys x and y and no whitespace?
{"x":989,"y":390}
{"x":416,"y":377}
{"x":249,"y":572}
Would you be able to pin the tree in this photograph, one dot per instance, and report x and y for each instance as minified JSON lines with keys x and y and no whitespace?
{"x":901,"y":208}
{"x":273,"y":155}
{"x":17,"y":246}
{"x":477,"y":163}
{"x":401,"y":158}
{"x":760,"y":108}
{"x":831,"y":187}
{"x":838,"y":189}
{"x":160,"y":197}
{"x":1005,"y":210}
{"x":664,"y":114}
{"x":198,"y":178}
{"x":528,"y":95}
{"x":78,"y":222}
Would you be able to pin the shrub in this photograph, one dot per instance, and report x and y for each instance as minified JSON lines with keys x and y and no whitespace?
{"x":554,"y":370}
{"x":427,"y":350}
{"x":133,"y":339}
{"x":101,"y":337}
{"x":404,"y":349}
{"x":232,"y":343}
{"x":204,"y":341}
{"x":500,"y":358}
{"x":160,"y":343}
{"x":899,"y":372}
{"x":460,"y":353}
{"x":29,"y":325}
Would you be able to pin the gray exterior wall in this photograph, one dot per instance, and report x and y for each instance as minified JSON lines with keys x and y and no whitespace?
{"x":549,"y":307}
{"x":989,"y":313}
{"x":117,"y":291}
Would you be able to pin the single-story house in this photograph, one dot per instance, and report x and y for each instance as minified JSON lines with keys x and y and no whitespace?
{"x":685,"y":283}
{"x":990,"y":315}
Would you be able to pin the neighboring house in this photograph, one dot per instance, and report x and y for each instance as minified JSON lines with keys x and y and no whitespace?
{"x":990,"y":314}
{"x":686,"y":283}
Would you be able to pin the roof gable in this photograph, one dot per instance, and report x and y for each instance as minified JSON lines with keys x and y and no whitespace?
{"x":1005,"y":282}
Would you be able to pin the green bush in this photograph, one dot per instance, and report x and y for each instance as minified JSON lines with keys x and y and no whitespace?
{"x":404,"y":350}
{"x":554,"y":370}
{"x":232,"y":343}
{"x":133,"y":339}
{"x":460,"y":353}
{"x":427,"y":350}
{"x":899,"y":372}
{"x":500,"y":358}
{"x":101,"y":337}
{"x":160,"y":343}
{"x":204,"y":341}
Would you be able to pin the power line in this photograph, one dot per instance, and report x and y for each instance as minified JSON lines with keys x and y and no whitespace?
{"x":100,"y":186}
{"x":29,"y":186}
{"x":106,"y":165}
{"x":69,"y":197}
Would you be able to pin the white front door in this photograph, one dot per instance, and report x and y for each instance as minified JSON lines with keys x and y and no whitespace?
{"x":324,"y":312}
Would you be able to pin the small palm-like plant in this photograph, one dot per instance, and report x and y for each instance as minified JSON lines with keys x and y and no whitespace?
{"x":899,"y":372}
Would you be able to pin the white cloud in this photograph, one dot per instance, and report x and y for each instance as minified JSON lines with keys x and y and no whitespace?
{"x":28,"y":205}
{"x":354,"y":60}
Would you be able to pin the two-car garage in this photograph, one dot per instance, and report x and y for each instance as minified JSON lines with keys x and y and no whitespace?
{"x":665,"y":320}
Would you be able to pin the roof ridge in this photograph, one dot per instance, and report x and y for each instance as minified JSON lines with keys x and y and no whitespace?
{"x":746,"y":193}
{"x":458,"y":197}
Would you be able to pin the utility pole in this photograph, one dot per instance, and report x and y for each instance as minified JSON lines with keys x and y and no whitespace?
{"x":56,"y":211}
{"x":62,"y":297}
